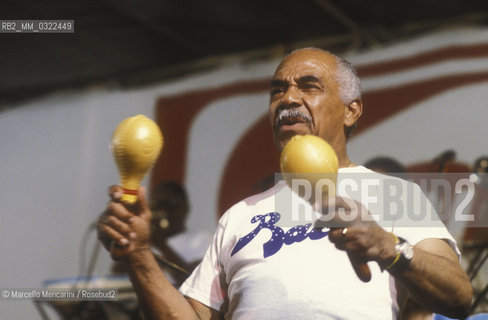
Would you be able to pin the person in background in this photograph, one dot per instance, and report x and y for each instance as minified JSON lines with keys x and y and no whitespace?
{"x":385,"y":165}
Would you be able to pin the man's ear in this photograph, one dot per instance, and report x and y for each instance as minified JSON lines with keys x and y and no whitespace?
{"x":353,"y":111}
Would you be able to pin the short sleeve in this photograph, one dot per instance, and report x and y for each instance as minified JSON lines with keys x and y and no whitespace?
{"x":430,"y":226}
{"x":207,"y":282}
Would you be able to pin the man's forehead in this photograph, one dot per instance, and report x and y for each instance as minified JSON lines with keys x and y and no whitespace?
{"x":298,"y":66}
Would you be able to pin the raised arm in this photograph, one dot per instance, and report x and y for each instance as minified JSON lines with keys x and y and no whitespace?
{"x":124,"y":231}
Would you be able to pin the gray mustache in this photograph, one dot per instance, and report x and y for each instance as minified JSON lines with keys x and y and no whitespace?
{"x":292,"y":113}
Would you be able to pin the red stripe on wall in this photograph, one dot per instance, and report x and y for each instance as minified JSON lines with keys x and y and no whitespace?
{"x":425,"y":58}
{"x":381,"y":104}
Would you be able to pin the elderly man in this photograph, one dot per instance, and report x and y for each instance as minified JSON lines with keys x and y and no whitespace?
{"x":256,"y":269}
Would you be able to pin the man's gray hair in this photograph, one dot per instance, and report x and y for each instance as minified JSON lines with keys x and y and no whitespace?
{"x":348,"y":80}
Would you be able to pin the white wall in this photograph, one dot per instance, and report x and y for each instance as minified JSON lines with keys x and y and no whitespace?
{"x":55,"y":166}
{"x":455,"y":119}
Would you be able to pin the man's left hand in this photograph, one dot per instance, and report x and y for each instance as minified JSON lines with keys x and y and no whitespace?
{"x":354,"y":230}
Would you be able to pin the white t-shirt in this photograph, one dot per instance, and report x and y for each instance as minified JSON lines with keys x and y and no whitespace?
{"x":262,"y":265}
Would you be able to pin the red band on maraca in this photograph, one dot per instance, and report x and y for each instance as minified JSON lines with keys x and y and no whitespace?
{"x":132,"y":192}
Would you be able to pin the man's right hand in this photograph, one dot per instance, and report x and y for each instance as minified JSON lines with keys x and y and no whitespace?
{"x":124,"y":228}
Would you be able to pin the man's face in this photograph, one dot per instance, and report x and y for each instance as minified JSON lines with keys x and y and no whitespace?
{"x":304,"y":99}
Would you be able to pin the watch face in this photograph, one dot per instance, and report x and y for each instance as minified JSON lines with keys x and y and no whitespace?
{"x":407,"y":250}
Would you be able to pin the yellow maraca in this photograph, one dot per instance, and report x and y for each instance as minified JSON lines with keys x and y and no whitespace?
{"x":136,"y":144}
{"x":312,"y":158}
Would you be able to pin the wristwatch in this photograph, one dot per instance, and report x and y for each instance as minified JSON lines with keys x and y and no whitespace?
{"x":404,"y":253}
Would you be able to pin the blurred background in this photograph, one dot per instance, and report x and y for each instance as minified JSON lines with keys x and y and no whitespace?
{"x":201,"y":70}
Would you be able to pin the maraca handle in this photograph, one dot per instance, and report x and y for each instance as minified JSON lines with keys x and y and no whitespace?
{"x":361,"y":267}
{"x":129,"y":196}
